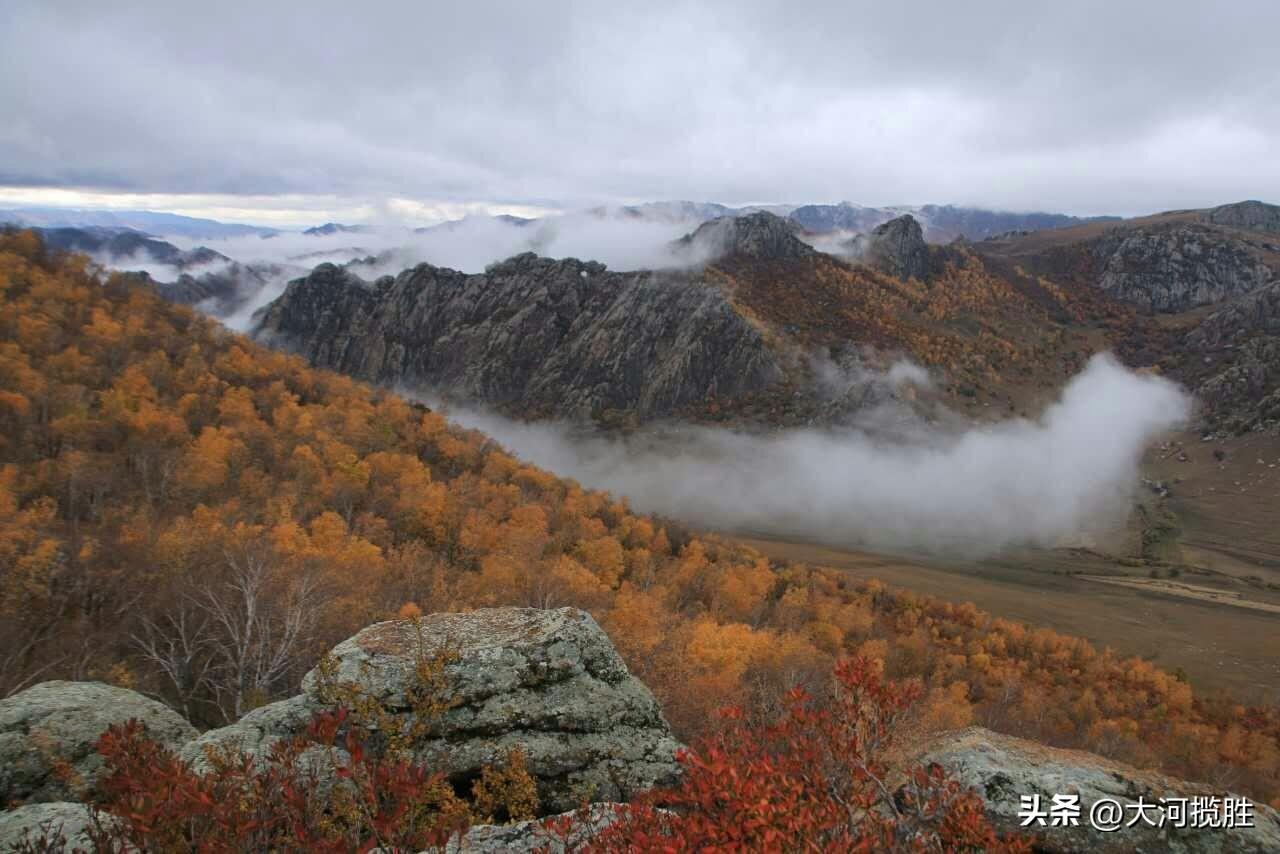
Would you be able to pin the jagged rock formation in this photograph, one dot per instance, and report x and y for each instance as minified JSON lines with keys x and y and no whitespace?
{"x":49,"y":821}
{"x":60,"y":722}
{"x":761,"y":236}
{"x":548,"y":682}
{"x":1176,"y":266}
{"x":1002,"y":768}
{"x":896,"y":248}
{"x":530,"y":334}
{"x":1251,"y":215}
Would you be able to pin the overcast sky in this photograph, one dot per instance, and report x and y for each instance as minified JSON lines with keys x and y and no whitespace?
{"x":268,"y":111}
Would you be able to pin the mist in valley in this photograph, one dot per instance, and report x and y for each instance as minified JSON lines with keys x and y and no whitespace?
{"x":1048,"y":481}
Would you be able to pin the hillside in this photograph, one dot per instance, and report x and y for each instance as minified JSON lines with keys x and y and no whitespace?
{"x":158,"y":471}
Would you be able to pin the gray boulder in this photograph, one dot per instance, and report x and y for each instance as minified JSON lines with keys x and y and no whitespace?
{"x":56,"y":725}
{"x":51,"y":822}
{"x":547,"y":682}
{"x":1002,"y":769}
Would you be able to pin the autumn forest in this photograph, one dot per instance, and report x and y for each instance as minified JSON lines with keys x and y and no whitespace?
{"x":194,"y":516}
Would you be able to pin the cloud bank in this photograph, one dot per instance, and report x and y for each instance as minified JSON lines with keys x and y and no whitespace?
{"x":1043,"y":482}
{"x":1088,"y":107}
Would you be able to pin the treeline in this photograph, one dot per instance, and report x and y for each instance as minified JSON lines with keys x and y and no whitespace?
{"x":191,"y":515}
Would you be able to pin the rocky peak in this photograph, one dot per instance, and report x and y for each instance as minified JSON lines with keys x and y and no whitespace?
{"x":762,"y":236}
{"x":895,"y":248}
{"x":1251,"y":215}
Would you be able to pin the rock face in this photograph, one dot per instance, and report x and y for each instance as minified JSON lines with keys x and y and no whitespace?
{"x":60,"y":722}
{"x":548,"y":682}
{"x":1003,"y":768}
{"x":1174,"y":267}
{"x":50,"y":821}
{"x":762,"y":236}
{"x":896,"y":248}
{"x":1251,"y":215}
{"x":1242,"y":339}
{"x":530,"y":334}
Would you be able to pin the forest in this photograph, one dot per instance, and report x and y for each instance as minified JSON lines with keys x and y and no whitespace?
{"x":197,"y":517}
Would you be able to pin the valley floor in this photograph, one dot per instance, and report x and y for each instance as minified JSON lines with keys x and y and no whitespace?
{"x":1220,"y":646}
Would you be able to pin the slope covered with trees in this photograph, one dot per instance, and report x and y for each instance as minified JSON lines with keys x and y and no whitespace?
{"x":190,"y":514}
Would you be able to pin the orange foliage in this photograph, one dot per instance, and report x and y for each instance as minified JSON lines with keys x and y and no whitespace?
{"x":148,"y":468}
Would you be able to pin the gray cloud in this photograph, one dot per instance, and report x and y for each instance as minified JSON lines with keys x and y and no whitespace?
{"x":1085,"y":107}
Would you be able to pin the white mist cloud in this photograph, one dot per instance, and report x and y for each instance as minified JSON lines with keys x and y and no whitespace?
{"x":1035,"y":482}
{"x":469,"y":245}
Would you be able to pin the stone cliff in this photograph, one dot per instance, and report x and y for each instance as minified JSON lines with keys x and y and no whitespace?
{"x":532,"y":335}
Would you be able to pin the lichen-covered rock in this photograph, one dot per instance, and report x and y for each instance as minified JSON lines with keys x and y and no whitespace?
{"x":48,"y":735}
{"x":531,"y":335}
{"x":528,"y":837}
{"x":547,"y":682}
{"x":49,"y":823}
{"x":1002,"y":769}
{"x":255,"y":733}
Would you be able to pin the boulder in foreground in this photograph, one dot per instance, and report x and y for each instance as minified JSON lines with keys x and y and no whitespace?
{"x":547,"y":682}
{"x":49,"y":733}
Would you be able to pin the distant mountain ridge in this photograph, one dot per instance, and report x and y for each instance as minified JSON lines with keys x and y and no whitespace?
{"x":148,"y":222}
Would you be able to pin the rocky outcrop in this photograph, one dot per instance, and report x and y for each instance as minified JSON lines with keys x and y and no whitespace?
{"x":1251,"y":215}
{"x":896,"y":248}
{"x":761,"y":236}
{"x":49,"y":823}
{"x":1241,"y":341}
{"x":533,"y":837}
{"x":1176,"y":266}
{"x":1256,"y":313}
{"x":548,"y":682}
{"x":532,"y":335}
{"x":1002,"y":769}
{"x":48,"y":735}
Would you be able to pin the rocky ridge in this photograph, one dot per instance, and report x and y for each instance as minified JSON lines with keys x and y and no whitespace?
{"x":532,"y":335}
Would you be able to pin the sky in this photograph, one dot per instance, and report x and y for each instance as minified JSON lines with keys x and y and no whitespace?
{"x":418,"y":111}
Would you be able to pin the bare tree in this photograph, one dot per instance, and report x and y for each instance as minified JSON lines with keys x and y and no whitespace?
{"x":261,"y":624}
{"x":179,"y":646}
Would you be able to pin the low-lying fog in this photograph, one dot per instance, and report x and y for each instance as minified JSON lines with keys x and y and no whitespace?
{"x":1069,"y":473}
{"x":618,"y":241}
